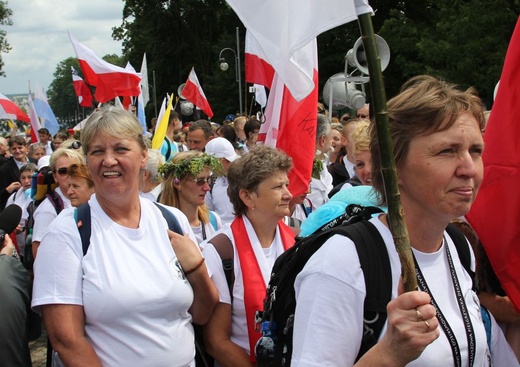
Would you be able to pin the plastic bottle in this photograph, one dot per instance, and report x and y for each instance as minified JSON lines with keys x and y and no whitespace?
{"x":265,"y":346}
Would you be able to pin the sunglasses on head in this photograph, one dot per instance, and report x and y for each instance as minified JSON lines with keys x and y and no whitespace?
{"x":62,"y":171}
{"x":201,"y":181}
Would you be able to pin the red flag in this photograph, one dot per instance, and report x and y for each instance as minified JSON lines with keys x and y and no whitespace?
{"x":110,"y":80}
{"x":495,"y":214}
{"x":82,"y":90}
{"x":8,"y":110}
{"x":193,"y":92}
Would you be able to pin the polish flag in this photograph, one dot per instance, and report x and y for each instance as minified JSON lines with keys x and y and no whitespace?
{"x":9,"y":110}
{"x":193,"y":92}
{"x":283,"y":57}
{"x":290,"y":125}
{"x":110,"y":80}
{"x":35,"y":121}
{"x":81,"y":89}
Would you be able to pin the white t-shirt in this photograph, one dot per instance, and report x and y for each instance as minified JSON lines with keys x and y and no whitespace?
{"x":209,"y":230}
{"x":330,"y":292}
{"x":134,"y":293}
{"x":218,"y":200}
{"x":45,"y":214}
{"x":320,"y":188}
{"x":265,"y":257}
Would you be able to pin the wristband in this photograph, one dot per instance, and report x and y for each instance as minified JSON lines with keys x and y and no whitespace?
{"x":188,"y":272}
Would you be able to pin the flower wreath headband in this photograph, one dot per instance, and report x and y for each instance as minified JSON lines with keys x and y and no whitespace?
{"x":192,"y":166}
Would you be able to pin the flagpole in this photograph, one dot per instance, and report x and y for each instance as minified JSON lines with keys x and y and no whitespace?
{"x":388,"y":170}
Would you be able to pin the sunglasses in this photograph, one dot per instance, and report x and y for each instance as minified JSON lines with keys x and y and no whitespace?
{"x":201,"y":181}
{"x":62,"y":171}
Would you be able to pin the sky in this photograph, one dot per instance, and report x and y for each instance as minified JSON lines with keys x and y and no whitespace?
{"x":39,"y":38}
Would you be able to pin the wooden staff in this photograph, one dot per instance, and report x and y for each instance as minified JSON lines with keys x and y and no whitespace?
{"x":388,"y":170}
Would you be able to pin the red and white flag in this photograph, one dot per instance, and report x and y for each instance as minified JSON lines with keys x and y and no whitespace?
{"x":283,"y":57}
{"x":81,"y":89}
{"x":282,"y":42}
{"x":35,"y":121}
{"x":495,"y":214}
{"x":10,"y":111}
{"x":110,"y":80}
{"x":193,"y":92}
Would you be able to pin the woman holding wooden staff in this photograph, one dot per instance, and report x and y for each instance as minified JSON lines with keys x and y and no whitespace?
{"x":435,"y":131}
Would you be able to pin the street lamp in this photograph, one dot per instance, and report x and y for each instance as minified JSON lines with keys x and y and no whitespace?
{"x":224,"y":66}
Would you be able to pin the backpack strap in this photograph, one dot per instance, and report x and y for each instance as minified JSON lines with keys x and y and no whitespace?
{"x":462,"y":246}
{"x":375,"y":264}
{"x":173,"y":223}
{"x":169,"y":151}
{"x":84,"y":223}
{"x":56,"y":201}
{"x":223,"y":245}
{"x":213,"y":220}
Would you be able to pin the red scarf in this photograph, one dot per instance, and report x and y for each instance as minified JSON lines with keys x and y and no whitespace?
{"x":254,"y":285}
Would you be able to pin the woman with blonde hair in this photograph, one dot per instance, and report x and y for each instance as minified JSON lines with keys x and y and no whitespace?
{"x":187,"y":179}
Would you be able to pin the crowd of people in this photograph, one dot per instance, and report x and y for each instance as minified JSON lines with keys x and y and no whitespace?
{"x":180,"y":242}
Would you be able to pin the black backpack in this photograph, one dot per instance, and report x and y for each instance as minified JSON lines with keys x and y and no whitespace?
{"x":280,"y":301}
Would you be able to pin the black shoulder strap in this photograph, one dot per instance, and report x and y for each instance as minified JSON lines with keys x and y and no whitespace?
{"x":84,"y":223}
{"x":56,"y":201}
{"x":173,"y":223}
{"x":169,"y":151}
{"x":462,"y":246}
{"x":223,"y":245}
{"x":375,"y":265}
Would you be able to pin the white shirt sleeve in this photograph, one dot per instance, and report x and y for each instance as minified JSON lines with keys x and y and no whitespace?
{"x":320,"y":310}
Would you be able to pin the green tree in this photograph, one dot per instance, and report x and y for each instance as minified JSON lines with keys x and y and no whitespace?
{"x":179,"y":35}
{"x":5,"y":20}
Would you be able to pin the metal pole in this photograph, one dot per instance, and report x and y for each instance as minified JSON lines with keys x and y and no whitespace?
{"x":154,"y":93}
{"x":239,"y":74}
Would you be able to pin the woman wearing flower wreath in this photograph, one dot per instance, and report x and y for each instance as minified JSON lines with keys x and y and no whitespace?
{"x":258,"y":190}
{"x":187,"y":179}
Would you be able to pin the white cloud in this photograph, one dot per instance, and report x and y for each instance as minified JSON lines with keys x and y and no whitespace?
{"x":39,"y":37}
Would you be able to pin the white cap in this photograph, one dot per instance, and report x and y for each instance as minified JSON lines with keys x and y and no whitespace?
{"x":221,"y":148}
{"x":43,"y":161}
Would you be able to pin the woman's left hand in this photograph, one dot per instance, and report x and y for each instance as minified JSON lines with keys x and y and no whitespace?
{"x":204,"y":291}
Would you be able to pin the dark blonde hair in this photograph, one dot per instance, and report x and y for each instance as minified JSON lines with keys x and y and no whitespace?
{"x":112,"y":122}
{"x":170,"y":194}
{"x":253,"y":168}
{"x":425,"y":105}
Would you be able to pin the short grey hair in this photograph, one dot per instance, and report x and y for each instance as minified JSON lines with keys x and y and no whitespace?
{"x":155,"y":160}
{"x":322,"y":126}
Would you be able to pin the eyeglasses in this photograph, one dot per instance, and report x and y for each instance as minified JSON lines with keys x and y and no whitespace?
{"x":62,"y":171}
{"x":201,"y":181}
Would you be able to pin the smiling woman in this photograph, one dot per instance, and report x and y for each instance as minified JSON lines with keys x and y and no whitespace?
{"x":103,"y":308}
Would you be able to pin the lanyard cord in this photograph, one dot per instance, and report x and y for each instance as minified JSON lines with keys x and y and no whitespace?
{"x":442,"y":319}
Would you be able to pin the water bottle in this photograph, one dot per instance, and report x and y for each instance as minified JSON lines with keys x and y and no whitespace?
{"x":265,"y":346}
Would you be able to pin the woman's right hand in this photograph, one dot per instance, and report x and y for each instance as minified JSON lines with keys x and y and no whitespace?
{"x":412,"y":326}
